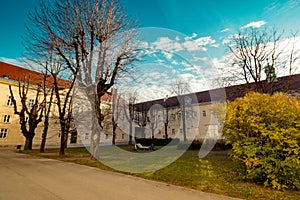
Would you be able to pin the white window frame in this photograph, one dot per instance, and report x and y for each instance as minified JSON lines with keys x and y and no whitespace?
{"x":3,"y":133}
{"x":6,"y":118}
{"x":173,"y":131}
{"x":9,"y":101}
{"x":30,"y":103}
{"x":212,"y":131}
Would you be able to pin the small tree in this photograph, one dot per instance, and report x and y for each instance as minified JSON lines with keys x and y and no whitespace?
{"x":265,"y":134}
{"x":30,"y":115}
{"x":116,"y":111}
{"x":180,"y":88}
{"x":127,"y":113}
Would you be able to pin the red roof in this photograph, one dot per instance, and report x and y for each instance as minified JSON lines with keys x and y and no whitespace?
{"x":16,"y":73}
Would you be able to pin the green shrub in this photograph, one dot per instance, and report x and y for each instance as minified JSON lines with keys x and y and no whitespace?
{"x":265,"y":134}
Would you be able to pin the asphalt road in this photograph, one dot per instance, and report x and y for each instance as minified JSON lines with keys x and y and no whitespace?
{"x":26,"y":177}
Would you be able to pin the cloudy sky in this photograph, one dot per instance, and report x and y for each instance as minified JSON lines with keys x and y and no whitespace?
{"x":187,"y":39}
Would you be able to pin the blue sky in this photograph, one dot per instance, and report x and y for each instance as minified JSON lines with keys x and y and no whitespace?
{"x":198,"y":29}
{"x":205,"y":18}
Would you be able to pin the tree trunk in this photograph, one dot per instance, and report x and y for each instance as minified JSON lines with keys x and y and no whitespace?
{"x":114,"y":133}
{"x":95,"y":139}
{"x":183,"y":124}
{"x":152,"y":133}
{"x":43,"y":143}
{"x":28,"y":143}
{"x":44,"y":135}
{"x":130,"y":133}
{"x":63,"y":139}
{"x":166,"y":130}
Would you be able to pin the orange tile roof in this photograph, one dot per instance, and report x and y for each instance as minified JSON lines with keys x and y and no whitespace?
{"x":16,"y":73}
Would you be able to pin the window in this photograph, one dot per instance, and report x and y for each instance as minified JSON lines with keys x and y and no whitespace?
{"x":187,"y":114}
{"x":179,"y":115}
{"x":212,"y":131}
{"x":6,"y":118}
{"x":30,"y":103}
{"x":106,"y":136}
{"x":204,"y":113}
{"x":173,"y":131}
{"x":123,"y":136}
{"x":173,"y":117}
{"x":86,"y":137}
{"x":9,"y":101}
{"x":3,"y":133}
{"x":48,"y":105}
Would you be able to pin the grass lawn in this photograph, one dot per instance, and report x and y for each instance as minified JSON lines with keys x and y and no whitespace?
{"x":216,"y":173}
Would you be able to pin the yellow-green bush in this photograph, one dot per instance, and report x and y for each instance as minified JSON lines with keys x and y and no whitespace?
{"x":265,"y":134}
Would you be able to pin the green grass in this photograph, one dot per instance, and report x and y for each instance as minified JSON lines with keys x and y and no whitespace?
{"x":216,"y":173}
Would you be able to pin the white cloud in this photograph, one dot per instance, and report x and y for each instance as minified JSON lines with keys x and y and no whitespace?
{"x":159,"y":61}
{"x":225,"y":41}
{"x":174,"y":62}
{"x":254,"y":24}
{"x":167,"y":44}
{"x":189,"y":69}
{"x":199,"y":44}
{"x":187,"y":77}
{"x":185,"y":64}
{"x":143,"y":44}
{"x":168,"y":55}
{"x":188,"y":44}
{"x":193,"y":46}
{"x":196,"y":58}
{"x":203,"y":41}
{"x":225,"y":30}
{"x":194,"y":35}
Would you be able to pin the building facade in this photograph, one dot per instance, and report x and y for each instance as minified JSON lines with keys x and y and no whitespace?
{"x":159,"y":118}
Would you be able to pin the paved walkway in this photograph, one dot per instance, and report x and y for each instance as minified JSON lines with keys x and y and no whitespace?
{"x":27,"y":177}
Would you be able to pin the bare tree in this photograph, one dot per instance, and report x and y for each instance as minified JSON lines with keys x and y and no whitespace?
{"x":30,"y":113}
{"x":257,"y":55}
{"x":166,"y":117}
{"x":129,"y":112}
{"x":180,"y":88}
{"x":48,"y":99}
{"x":116,"y":111}
{"x":94,"y":42}
{"x":156,"y":118}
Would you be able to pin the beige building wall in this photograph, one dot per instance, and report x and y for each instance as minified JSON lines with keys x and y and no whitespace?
{"x":200,"y":123}
{"x":199,"y":120}
{"x":9,"y":122}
